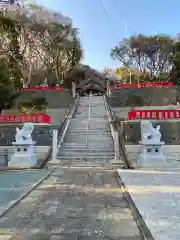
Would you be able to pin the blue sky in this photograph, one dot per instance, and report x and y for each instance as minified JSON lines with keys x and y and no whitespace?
{"x":100,"y":31}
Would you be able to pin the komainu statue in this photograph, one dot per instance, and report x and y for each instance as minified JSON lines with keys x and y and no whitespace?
{"x":148,"y":132}
{"x":25,"y":133}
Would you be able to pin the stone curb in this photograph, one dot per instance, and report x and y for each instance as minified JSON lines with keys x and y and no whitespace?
{"x":8,"y":169}
{"x":25,"y":194}
{"x":135,"y":212}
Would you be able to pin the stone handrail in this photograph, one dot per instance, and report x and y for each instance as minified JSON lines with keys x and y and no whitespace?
{"x":113,"y":127}
{"x":61,"y":131}
{"x":66,"y":122}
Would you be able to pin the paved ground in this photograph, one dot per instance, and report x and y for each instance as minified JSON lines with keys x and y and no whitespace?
{"x":156,"y":194}
{"x":73,"y":203}
{"x":14,"y":184}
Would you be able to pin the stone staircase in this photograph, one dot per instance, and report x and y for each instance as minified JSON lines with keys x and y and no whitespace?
{"x":88,"y":136}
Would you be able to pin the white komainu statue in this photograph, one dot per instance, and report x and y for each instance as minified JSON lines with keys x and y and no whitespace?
{"x":148,"y":132}
{"x":25,"y":133}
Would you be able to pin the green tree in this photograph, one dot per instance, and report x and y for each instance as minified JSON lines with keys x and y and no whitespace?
{"x":9,"y":58}
{"x":175,"y":59}
{"x":63,"y":48}
{"x":49,"y":45}
{"x":147,"y":54}
{"x":10,"y":53}
{"x":77,"y":74}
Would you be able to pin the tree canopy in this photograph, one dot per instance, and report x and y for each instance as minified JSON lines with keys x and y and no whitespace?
{"x":39,"y":45}
{"x":148,"y":58}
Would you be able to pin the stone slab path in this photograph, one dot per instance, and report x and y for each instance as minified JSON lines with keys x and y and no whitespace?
{"x":73,"y":203}
{"x":156,"y":194}
{"x":14,"y":184}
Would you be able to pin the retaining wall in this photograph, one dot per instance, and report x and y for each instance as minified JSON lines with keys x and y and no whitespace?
{"x":150,"y":95}
{"x":59,"y":102}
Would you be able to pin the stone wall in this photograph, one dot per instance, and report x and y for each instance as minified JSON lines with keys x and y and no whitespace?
{"x":150,"y":95}
{"x":122,"y":112}
{"x":59,"y":102}
{"x":56,"y":98}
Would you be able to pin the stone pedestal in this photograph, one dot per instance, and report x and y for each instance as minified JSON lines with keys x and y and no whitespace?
{"x":151,"y":154}
{"x":24,"y":155}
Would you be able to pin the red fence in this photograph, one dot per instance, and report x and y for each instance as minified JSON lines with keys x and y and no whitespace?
{"x":141,"y":85}
{"x":19,"y":118}
{"x":46,"y":88}
{"x":153,"y":114}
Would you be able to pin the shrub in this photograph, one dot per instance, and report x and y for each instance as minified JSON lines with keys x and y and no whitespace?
{"x":10,"y":101}
{"x":39,"y":101}
{"x":134,"y":100}
{"x":33,"y":104}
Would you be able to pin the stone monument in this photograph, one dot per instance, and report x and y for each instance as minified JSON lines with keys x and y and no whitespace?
{"x":24,"y":155}
{"x":151,"y":154}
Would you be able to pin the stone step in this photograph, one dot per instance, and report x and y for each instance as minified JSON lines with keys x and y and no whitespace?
{"x":84,"y":112}
{"x":82,"y":117}
{"x":96,"y":142}
{"x":96,"y":138}
{"x":84,"y":154}
{"x":87,"y":158}
{"x":92,"y":145}
{"x":91,"y":150}
{"x":91,"y":128}
{"x":90,"y":123}
{"x":85,"y":121}
{"x":79,"y":136}
{"x":95,"y":134}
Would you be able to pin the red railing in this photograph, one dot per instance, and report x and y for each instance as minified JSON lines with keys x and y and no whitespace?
{"x":46,"y":88}
{"x":19,"y":118}
{"x":153,"y":114}
{"x":142,"y":85}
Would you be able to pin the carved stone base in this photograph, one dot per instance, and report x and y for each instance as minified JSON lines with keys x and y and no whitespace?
{"x":151,"y":161}
{"x":22,"y":161}
{"x":24,"y":155}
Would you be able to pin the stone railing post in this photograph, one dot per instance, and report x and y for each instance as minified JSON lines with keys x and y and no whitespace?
{"x":54,"y":144}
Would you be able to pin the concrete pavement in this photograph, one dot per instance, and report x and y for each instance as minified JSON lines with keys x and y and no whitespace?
{"x":81,"y":198}
{"x":15,"y":184}
{"x":73,"y":204}
{"x":156,"y":195}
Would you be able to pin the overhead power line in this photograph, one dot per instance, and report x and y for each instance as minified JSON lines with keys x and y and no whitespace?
{"x":110,"y":19}
{"x":107,"y":14}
